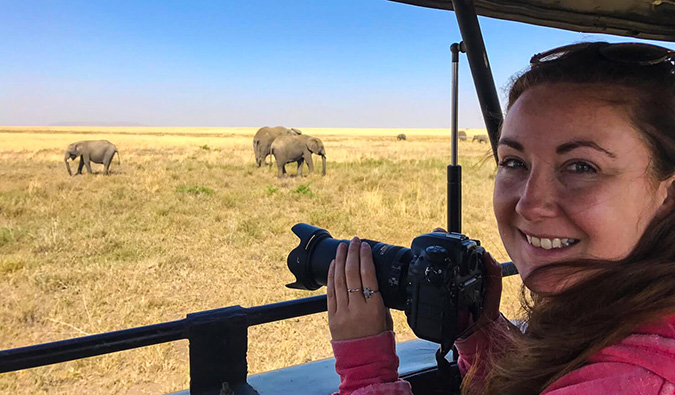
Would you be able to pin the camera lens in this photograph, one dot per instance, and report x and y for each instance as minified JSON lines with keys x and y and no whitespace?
{"x":309,"y":262}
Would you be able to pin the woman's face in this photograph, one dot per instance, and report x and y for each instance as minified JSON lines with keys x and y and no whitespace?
{"x":573,"y":182}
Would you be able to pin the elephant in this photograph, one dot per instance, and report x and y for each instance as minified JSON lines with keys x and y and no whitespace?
{"x":461,"y":135}
{"x":262,"y":141}
{"x":481,"y":138}
{"x":400,"y":137}
{"x":97,"y":151}
{"x":287,"y":149}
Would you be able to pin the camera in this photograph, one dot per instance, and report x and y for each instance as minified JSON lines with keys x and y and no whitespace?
{"x":439,"y":282}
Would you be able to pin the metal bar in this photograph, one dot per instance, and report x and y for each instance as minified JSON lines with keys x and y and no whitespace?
{"x":508,"y":269}
{"x":480,"y":68}
{"x":288,"y":309}
{"x":89,"y":346}
{"x":105,"y":343}
{"x":454,"y":170}
{"x":454,"y":50}
{"x":454,"y":198}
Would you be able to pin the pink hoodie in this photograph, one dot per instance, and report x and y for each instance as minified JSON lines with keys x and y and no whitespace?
{"x":641,"y":364}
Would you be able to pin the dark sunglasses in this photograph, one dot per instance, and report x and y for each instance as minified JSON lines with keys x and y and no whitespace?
{"x":633,"y":53}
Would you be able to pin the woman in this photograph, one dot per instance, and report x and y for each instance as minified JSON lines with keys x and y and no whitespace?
{"x":585,"y":204}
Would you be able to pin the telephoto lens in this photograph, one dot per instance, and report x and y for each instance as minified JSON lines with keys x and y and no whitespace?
{"x":309,"y":262}
{"x":439,"y":282}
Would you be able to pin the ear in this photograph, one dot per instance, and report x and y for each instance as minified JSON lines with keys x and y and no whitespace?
{"x":668,"y":205}
{"x":314,"y":145}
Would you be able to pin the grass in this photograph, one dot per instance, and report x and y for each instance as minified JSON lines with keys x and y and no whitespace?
{"x":179,"y":228}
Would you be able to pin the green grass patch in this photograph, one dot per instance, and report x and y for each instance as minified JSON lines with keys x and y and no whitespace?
{"x":8,"y":266}
{"x":271,"y":189}
{"x":303,"y":189}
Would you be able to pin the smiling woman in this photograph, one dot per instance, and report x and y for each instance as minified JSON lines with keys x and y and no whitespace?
{"x":584,"y":199}
{"x":586,"y":165}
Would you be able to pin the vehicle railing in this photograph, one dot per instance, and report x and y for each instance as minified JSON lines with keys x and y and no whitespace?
{"x":218,"y":341}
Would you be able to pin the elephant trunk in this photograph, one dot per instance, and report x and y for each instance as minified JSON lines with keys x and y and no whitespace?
{"x":323,"y":165}
{"x":68,"y":165}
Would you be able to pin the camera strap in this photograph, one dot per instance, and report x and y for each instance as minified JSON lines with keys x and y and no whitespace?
{"x":449,"y":377}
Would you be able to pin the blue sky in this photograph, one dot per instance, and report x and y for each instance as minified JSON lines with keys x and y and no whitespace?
{"x":247,"y":63}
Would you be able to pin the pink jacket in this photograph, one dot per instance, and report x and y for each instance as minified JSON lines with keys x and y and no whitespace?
{"x":641,"y":364}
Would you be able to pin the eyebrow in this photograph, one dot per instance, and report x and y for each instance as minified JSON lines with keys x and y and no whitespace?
{"x":567,"y":147}
{"x":511,"y":143}
{"x":561,"y":149}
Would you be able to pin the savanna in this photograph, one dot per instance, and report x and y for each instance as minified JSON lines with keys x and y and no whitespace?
{"x":188,"y":222}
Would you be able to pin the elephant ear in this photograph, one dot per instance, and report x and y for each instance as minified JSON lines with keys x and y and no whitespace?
{"x":314,"y":145}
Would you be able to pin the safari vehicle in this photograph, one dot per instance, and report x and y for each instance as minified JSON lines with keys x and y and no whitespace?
{"x":218,"y":338}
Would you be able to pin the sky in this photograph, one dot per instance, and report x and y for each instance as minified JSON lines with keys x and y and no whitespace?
{"x":248,"y":63}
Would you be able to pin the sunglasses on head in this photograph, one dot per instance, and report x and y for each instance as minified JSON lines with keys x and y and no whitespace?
{"x":632,"y":53}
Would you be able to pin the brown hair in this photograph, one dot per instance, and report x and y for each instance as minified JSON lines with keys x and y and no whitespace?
{"x":616,"y":297}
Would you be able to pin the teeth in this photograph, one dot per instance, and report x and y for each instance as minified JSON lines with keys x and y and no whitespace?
{"x":547,"y":244}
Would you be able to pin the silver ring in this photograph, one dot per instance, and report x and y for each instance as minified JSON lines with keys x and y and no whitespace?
{"x":352,"y":290}
{"x":367,"y":292}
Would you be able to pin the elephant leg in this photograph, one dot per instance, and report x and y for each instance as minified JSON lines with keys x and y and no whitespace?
{"x":280,"y":169}
{"x":87,"y":163}
{"x":107,"y":160}
{"x":300,"y":162}
{"x":310,"y":163}
{"x":106,"y":165}
{"x":80,"y":166}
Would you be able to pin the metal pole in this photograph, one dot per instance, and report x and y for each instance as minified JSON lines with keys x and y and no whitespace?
{"x":480,"y":68}
{"x":455,"y":170}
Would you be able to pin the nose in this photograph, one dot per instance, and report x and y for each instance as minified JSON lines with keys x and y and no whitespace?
{"x":539,"y":199}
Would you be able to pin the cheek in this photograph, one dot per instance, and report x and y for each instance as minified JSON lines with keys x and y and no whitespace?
{"x":612,"y":218}
{"x":506,"y":194}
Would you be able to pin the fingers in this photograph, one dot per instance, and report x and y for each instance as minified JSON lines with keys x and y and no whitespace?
{"x":441,"y":230}
{"x":389,"y":322}
{"x":368,"y":275}
{"x":350,"y":314}
{"x":330,"y":289}
{"x":493,"y":291}
{"x":493,"y":267}
{"x":340,"y":283}
{"x":352,"y":270}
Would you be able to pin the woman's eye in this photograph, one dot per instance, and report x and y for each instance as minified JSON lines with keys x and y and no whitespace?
{"x":511,"y":163}
{"x":581,"y":167}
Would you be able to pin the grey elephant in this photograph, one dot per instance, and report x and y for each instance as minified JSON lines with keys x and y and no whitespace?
{"x":262,"y":141}
{"x":287,"y":149}
{"x":461,"y":135}
{"x":481,"y":138}
{"x":400,"y":137}
{"x":97,"y":151}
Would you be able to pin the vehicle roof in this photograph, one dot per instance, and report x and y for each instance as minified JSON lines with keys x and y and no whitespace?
{"x":648,"y":19}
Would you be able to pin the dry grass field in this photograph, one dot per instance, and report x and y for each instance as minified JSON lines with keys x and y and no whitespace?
{"x":186,"y":223}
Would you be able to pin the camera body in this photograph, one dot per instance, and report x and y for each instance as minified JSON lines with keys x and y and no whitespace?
{"x":445,"y":285}
{"x":439,"y":282}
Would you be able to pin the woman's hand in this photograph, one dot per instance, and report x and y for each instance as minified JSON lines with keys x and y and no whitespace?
{"x":355,"y":305}
{"x":493,"y":293}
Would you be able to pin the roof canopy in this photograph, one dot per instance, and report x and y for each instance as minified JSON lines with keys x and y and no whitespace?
{"x":648,"y":19}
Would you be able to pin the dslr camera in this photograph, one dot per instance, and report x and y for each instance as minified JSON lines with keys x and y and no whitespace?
{"x":439,"y":282}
